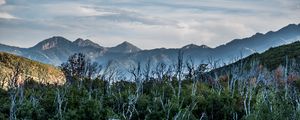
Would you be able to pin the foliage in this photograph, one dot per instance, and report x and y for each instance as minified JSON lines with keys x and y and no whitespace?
{"x":251,"y":92}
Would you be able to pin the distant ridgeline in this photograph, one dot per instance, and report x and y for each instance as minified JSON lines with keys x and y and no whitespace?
{"x":286,"y":55}
{"x":56,"y":50}
{"x":15,"y":70}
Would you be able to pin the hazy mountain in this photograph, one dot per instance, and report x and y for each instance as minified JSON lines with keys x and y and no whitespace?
{"x":52,"y":50}
{"x":225,"y":53}
{"x":193,"y":46}
{"x":86,"y":43}
{"x":11,"y":49}
{"x":260,"y":42}
{"x":279,"y":55}
{"x":124,"y":47}
{"x":57,"y":49}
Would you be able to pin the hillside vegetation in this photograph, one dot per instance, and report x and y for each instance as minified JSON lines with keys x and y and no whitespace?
{"x":254,"y":88}
{"x":28,"y":70}
{"x":276,"y":56}
{"x":270,"y":59}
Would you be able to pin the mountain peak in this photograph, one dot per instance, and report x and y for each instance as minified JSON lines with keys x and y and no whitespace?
{"x":125,"y":47}
{"x":126,"y":43}
{"x":191,"y":46}
{"x":289,"y":27}
{"x":257,"y":35}
{"x":84,"y":43}
{"x":204,"y":46}
{"x":52,"y":42}
{"x":292,"y":25}
{"x":78,"y":40}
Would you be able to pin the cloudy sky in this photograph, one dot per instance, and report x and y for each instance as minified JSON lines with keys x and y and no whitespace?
{"x":145,"y":23}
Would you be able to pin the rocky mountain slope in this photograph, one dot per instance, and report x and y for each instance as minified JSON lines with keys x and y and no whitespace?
{"x":28,"y":70}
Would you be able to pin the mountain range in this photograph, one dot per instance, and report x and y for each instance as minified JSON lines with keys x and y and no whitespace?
{"x":57,"y":49}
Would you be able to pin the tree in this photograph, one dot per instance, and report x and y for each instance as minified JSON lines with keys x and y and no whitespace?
{"x":179,"y":72}
{"x":79,"y":67}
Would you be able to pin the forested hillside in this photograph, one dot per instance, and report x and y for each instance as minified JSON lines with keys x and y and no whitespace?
{"x":265,"y":87}
{"x":271,"y":59}
{"x":17,"y":70}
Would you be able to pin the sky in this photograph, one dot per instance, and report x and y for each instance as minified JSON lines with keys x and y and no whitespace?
{"x":147,"y":24}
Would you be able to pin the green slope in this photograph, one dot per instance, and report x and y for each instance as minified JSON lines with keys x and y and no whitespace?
{"x":273,"y":57}
{"x":270,"y":59}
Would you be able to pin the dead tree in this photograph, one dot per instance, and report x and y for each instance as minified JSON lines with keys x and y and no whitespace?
{"x":213,"y":63}
{"x":16,"y":74}
{"x":108,"y":76}
{"x":190,"y":65}
{"x":166,"y":106}
{"x":192,"y":74}
{"x":200,"y":72}
{"x":252,"y":79}
{"x":13,"y":106}
{"x":170,"y":73}
{"x":13,"y":90}
{"x":179,"y":72}
{"x":147,"y":70}
{"x":59,"y":100}
{"x":160,"y":71}
{"x":136,"y":72}
{"x":236,"y":74}
{"x":129,"y":107}
{"x":92,"y":71}
{"x":285,"y":77}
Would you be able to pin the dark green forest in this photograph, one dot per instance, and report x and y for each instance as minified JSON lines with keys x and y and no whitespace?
{"x":260,"y":87}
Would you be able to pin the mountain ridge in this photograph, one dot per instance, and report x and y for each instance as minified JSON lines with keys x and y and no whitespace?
{"x":281,"y":55}
{"x":125,"y":47}
{"x":57,"y":49}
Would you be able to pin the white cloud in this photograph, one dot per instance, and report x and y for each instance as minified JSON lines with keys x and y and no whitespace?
{"x":76,"y":10}
{"x":92,"y":12}
{"x":2,"y":2}
{"x":148,"y":24}
{"x":6,"y":16}
{"x":3,"y":14}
